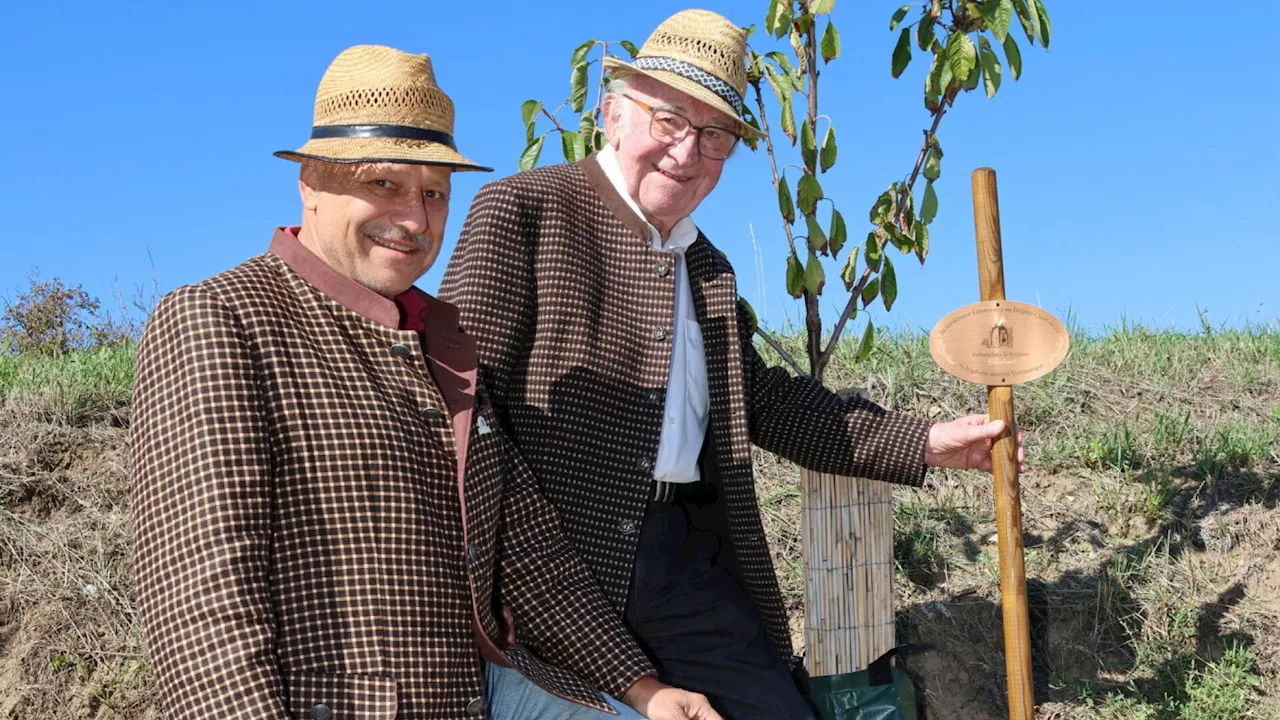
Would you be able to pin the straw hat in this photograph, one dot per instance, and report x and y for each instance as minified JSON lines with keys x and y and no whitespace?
{"x":701,"y":54}
{"x":378,"y":104}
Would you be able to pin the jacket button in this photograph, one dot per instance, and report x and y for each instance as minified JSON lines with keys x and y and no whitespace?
{"x":475,"y":707}
{"x":655,"y":396}
{"x":321,"y":712}
{"x":401,"y":350}
{"x":433,"y":413}
{"x":661,"y":268}
{"x":659,"y":332}
{"x":645,"y":464}
{"x":627,"y":527}
{"x":473,"y":552}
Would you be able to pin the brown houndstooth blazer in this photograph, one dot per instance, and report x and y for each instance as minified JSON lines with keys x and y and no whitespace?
{"x":572,"y":307}
{"x":325,"y":515}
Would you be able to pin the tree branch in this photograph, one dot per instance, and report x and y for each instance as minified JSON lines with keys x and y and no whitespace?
{"x":773,"y":162}
{"x":850,"y":307}
{"x":776,"y":345}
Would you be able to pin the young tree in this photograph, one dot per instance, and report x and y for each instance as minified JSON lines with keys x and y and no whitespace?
{"x":800,"y":37}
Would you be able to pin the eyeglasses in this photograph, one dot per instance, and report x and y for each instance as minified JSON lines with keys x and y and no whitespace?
{"x":669,"y":128}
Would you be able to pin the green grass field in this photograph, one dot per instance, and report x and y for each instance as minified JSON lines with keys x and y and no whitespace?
{"x":1150,"y":513}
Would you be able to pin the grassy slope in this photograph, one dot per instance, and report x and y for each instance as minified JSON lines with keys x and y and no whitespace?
{"x":1150,"y":514}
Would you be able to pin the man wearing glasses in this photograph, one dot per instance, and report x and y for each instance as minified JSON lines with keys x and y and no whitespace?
{"x":618,"y":357}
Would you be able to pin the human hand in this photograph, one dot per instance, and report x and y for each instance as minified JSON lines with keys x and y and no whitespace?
{"x":965,"y":444}
{"x":657,"y":701}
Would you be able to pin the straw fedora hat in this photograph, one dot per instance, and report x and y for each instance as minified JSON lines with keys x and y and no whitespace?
{"x":378,"y":104}
{"x":701,"y":54}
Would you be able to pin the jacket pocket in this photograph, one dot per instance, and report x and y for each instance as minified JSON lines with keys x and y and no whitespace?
{"x":325,"y":696}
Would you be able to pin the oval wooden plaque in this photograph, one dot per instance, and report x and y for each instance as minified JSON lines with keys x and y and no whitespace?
{"x":999,"y":342}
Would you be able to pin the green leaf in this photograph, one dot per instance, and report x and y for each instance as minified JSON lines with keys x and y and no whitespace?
{"x":795,"y":276}
{"x":529,"y":110}
{"x":888,"y":285}
{"x":884,"y":208}
{"x":849,"y":274}
{"x":961,"y":56}
{"x":572,"y":145}
{"x":529,"y":131}
{"x":821,"y":7}
{"x":779,"y":20}
{"x":808,"y":193}
{"x":925,"y":34}
{"x":1014,"y":56}
{"x":784,"y":201}
{"x":1046,"y":27}
{"x":829,"y":149}
{"x":896,"y":236}
{"x":873,"y":252}
{"x":898,"y":15}
{"x":830,"y":42}
{"x":922,"y":241}
{"x":929,"y":208}
{"x":902,"y":52}
{"x":782,"y":88}
{"x":630,"y":47}
{"x":788,"y":120}
{"x":814,"y":276}
{"x":587,"y":123}
{"x":1029,"y":18}
{"x":932,"y":166}
{"x":933,"y":86}
{"x":990,"y":67}
{"x":580,"y":53}
{"x":751,"y":313}
{"x":839,"y":233}
{"x":578,"y":86}
{"x":975,"y":77}
{"x":598,"y":139}
{"x":783,"y":61}
{"x":870,"y":291}
{"x":868,"y":341}
{"x":817,"y":238}
{"x":529,"y":158}
{"x":1000,"y":18}
{"x":808,"y":146}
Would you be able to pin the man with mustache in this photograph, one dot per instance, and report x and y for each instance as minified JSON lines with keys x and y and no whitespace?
{"x":615,"y":349}
{"x":329,"y":520}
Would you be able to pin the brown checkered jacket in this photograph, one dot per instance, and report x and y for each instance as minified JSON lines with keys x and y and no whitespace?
{"x":304,"y":535}
{"x":558,"y":280}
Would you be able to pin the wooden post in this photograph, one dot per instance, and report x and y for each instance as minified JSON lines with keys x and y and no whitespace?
{"x":847,"y":526}
{"x":1013,"y":578}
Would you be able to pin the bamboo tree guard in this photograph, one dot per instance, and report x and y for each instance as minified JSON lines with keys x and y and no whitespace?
{"x":847,"y":526}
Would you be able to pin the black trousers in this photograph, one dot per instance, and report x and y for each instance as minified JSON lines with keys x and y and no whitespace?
{"x":695,"y":621}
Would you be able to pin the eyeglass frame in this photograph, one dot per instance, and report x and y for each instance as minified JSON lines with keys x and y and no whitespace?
{"x":653,"y":117}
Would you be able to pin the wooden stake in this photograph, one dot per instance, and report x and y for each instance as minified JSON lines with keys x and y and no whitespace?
{"x":1013,"y":578}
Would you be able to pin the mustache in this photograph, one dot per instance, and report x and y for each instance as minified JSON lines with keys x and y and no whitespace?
{"x":395,"y":235}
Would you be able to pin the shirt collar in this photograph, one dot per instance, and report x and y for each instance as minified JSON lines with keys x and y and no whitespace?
{"x":406,"y":312}
{"x":683,"y":234}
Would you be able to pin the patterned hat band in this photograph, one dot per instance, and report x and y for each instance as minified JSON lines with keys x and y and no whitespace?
{"x":694,"y":73}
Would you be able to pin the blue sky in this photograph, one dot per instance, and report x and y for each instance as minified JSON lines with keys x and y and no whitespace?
{"x":1136,"y":159}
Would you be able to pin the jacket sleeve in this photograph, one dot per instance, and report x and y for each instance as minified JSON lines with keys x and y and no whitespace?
{"x":559,"y":608}
{"x":799,"y":419}
{"x":491,"y":279}
{"x":202,"y":514}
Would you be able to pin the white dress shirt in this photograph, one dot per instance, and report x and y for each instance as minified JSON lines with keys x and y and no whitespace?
{"x":685,"y":415}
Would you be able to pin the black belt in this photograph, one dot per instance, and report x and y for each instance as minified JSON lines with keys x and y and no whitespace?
{"x":699,"y":492}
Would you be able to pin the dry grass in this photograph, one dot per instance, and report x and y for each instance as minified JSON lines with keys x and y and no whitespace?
{"x":1150,"y":513}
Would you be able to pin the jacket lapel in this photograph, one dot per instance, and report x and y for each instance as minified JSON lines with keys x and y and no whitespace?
{"x":451,"y":357}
